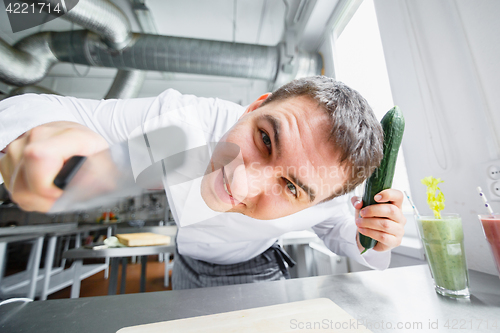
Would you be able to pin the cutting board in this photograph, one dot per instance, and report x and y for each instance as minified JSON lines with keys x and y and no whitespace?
{"x":143,"y":239}
{"x":316,"y":315}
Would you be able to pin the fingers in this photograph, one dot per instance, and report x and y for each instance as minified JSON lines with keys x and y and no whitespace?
{"x":43,"y":159}
{"x":26,"y":199}
{"x":390,"y":196}
{"x":383,"y":222}
{"x":357,"y":203}
{"x":33,"y":161}
{"x":385,"y":241}
{"x":30,"y":192}
{"x":40,"y":166}
{"x":387,"y":211}
{"x":381,"y":225}
{"x":10,"y":162}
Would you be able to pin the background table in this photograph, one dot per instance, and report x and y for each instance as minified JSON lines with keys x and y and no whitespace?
{"x":34,"y":262}
{"x":403,"y":295}
{"x":115,"y":254}
{"x":42,"y":282}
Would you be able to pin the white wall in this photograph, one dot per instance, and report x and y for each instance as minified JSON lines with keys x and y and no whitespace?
{"x":442,"y":58}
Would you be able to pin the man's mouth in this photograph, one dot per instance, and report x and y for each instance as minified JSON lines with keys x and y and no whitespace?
{"x":227,"y":187}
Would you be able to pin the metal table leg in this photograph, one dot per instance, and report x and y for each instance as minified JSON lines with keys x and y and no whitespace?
{"x":168,"y":267}
{"x":66,"y":248}
{"x":75,"y":287}
{"x":161,"y":256}
{"x":124,"y":275}
{"x":3,"y":254}
{"x":109,"y":232}
{"x":144,"y":260}
{"x":31,"y":257}
{"x":49,"y":260}
{"x":35,"y":266}
{"x":113,"y":278}
{"x":78,"y":240}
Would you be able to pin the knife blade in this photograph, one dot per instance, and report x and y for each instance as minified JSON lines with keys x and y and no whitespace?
{"x":106,"y":177}
{"x":155,"y":160}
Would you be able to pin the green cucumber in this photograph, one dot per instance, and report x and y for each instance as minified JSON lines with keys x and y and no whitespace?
{"x":393,"y":125}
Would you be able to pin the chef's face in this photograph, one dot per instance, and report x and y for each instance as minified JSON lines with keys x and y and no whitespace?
{"x":285,"y":163}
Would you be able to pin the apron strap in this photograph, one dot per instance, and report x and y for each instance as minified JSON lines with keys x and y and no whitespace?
{"x":281,"y":258}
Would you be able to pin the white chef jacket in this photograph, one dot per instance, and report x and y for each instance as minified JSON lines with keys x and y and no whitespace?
{"x":226,"y":238}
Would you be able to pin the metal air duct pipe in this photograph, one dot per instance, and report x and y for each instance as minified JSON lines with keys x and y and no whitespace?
{"x":113,"y":27}
{"x":164,"y":53}
{"x":28,"y":62}
{"x":127,"y":84}
{"x":170,"y":54}
{"x":159,"y":53}
{"x":99,"y":16}
{"x":111,"y":24}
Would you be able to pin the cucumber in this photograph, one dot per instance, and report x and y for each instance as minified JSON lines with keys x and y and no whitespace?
{"x":393,"y":125}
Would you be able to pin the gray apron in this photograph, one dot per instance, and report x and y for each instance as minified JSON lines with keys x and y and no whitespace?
{"x":270,"y":265}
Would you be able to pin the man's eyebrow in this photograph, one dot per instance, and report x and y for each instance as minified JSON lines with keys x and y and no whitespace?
{"x":309,"y":191}
{"x":276,"y":124}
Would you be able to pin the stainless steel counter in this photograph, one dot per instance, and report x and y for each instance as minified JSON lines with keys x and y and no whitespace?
{"x":399,"y":296}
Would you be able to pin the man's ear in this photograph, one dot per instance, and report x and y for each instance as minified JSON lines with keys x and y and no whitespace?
{"x":255,"y":104}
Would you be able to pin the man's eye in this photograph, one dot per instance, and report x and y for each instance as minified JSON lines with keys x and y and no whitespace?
{"x":291,"y":187}
{"x":266,"y":140}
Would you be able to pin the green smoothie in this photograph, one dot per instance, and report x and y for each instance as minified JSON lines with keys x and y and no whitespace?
{"x":444,"y":248}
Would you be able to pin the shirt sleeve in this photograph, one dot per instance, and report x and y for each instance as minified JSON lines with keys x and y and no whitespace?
{"x":113,"y":119}
{"x":338,"y":232}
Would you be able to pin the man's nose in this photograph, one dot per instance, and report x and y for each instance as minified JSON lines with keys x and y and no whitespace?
{"x":249,"y":181}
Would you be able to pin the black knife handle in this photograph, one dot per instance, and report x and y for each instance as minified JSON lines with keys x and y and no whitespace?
{"x":68,"y":171}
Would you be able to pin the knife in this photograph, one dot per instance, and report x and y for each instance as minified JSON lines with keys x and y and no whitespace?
{"x":106,"y":177}
{"x":154,"y":160}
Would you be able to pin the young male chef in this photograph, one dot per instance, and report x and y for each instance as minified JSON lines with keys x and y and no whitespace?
{"x":301,"y":150}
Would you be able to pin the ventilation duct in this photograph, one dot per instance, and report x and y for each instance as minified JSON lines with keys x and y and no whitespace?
{"x":99,"y":16}
{"x":170,"y":54}
{"x":28,"y":61}
{"x":151,"y":52}
{"x":113,"y":27}
{"x":127,"y":84}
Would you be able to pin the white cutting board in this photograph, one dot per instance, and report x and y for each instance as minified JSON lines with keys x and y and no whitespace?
{"x":289,"y":317}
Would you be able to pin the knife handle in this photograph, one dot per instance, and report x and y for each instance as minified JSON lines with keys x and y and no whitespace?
{"x":68,"y":171}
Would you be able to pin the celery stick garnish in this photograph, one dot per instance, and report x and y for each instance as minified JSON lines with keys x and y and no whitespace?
{"x":435,"y":201}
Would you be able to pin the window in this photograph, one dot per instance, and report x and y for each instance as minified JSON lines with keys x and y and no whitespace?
{"x":359,"y":62}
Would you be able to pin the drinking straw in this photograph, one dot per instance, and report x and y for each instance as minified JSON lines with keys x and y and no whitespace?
{"x":415,"y":210}
{"x":486,"y":204}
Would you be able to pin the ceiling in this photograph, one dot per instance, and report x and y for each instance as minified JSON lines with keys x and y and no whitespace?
{"x":244,"y":21}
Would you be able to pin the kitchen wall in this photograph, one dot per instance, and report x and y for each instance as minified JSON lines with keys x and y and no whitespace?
{"x":442,"y":58}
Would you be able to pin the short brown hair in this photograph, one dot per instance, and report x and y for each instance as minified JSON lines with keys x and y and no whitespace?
{"x":355,"y":130}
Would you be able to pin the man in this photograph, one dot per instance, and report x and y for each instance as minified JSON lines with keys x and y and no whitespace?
{"x":301,"y":148}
